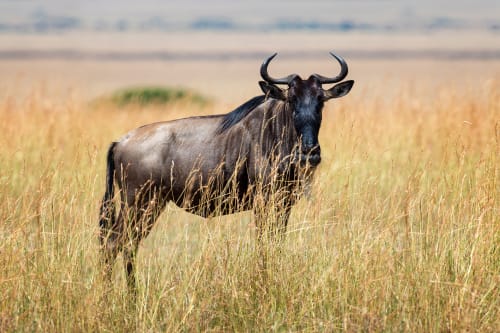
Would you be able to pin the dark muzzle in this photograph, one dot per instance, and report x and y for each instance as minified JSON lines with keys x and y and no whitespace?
{"x":309,"y":156}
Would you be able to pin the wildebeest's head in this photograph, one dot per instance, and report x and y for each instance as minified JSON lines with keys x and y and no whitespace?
{"x":306,"y":99}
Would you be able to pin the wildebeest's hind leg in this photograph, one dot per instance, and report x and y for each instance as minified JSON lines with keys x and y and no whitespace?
{"x":141,"y":218}
{"x":124,"y":233}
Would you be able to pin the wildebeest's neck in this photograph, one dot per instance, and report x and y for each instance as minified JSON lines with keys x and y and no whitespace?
{"x":232,"y":118}
{"x":269,"y":122}
{"x":276,"y":132}
{"x":280,"y":119}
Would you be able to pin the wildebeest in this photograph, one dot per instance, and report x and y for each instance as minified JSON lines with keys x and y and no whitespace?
{"x":216,"y":165}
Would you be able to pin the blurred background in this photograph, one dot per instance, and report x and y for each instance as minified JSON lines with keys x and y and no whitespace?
{"x":216,"y":47}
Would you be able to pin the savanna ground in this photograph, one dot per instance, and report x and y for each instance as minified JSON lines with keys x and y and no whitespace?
{"x":401,"y":231}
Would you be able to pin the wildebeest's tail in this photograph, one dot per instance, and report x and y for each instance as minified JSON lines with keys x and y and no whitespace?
{"x":107,"y":212}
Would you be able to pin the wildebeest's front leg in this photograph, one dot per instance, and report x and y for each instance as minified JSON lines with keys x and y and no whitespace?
{"x":271,"y":220}
{"x":271,"y":223}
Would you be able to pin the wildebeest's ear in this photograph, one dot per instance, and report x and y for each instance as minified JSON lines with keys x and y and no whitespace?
{"x":338,"y":90}
{"x":272,"y":91}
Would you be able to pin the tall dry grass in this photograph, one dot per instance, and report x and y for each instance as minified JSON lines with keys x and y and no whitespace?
{"x":400,"y":232}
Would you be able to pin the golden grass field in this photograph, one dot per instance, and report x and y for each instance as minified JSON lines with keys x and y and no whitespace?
{"x":400,"y":233}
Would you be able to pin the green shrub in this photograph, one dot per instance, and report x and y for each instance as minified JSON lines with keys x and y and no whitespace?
{"x":156,"y":95}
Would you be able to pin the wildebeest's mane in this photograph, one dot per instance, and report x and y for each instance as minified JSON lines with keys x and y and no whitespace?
{"x":232,"y":118}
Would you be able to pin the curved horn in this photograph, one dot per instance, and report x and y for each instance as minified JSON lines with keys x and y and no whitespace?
{"x":267,"y":78}
{"x":338,"y":78}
